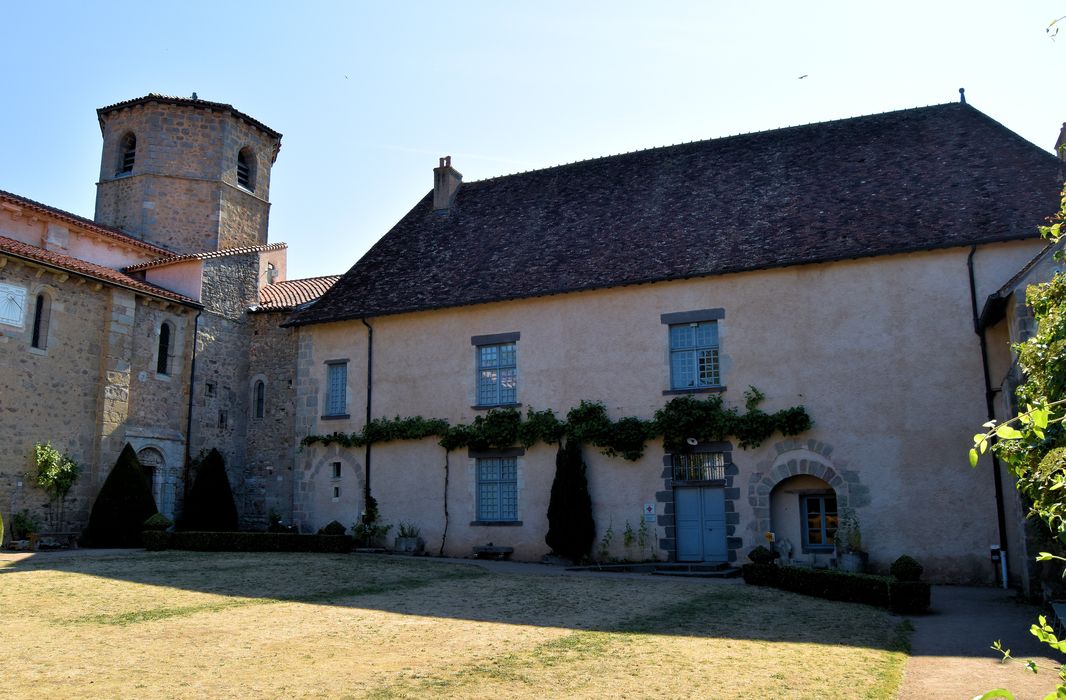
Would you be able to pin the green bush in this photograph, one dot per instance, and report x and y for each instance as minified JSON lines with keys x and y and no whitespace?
{"x":24,"y":524}
{"x":157,"y":522}
{"x":909,"y":597}
{"x":571,"y":528}
{"x":210,"y":507}
{"x":759,"y":574}
{"x":822,"y":583}
{"x":761,"y":555}
{"x":332,"y":528}
{"x":906,"y":569}
{"x":1,"y":529}
{"x":155,"y":540}
{"x":259,"y":542}
{"x":125,"y":501}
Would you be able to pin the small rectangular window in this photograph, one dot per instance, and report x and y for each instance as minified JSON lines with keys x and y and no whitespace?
{"x":820,"y":520}
{"x":497,"y":489}
{"x":336,"y":492}
{"x":336,"y":388}
{"x":336,"y":470}
{"x":209,"y":389}
{"x":223,"y":420}
{"x":698,"y":466}
{"x":497,"y":374}
{"x":694,"y":355}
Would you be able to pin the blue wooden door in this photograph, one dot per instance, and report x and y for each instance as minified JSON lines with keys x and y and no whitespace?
{"x":700,"y":522}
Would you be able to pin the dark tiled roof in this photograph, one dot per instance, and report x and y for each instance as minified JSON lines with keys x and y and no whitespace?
{"x":188,"y":101}
{"x":89,"y":224}
{"x":910,"y":180}
{"x":84,"y":268}
{"x":171,"y":259}
{"x":292,"y":293}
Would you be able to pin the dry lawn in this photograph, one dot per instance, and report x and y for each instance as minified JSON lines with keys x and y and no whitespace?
{"x":192,"y":625}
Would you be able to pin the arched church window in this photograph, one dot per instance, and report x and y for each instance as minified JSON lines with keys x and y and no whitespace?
{"x":162,"y":365}
{"x":42,"y":314}
{"x":246,"y":169}
{"x":127,"y":153}
{"x":260,"y":398}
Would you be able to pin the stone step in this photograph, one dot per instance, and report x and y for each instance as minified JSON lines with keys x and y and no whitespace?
{"x":727,"y":572}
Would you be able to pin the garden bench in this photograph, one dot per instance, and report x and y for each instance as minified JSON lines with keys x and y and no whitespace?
{"x":57,"y":540}
{"x":488,"y":551}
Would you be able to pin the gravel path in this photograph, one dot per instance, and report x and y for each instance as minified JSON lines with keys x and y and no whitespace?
{"x":950,"y":648}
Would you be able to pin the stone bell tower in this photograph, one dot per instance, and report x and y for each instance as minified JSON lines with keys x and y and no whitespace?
{"x":184,"y":173}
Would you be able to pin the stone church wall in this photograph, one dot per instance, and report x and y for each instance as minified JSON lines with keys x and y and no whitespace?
{"x":271,"y":439}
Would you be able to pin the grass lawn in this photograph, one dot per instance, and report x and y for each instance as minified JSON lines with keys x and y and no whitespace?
{"x":183,"y":624}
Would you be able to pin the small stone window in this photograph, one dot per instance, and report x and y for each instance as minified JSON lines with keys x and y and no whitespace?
{"x":209,"y":389}
{"x":162,"y":364}
{"x":223,"y":420}
{"x":260,"y":398}
{"x":42,"y":313}
{"x":127,"y":154}
{"x":336,"y":493}
{"x":336,"y":470}
{"x":246,"y":169}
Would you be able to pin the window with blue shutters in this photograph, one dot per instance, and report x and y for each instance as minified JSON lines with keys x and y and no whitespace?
{"x":497,"y":374}
{"x":497,"y":489}
{"x":694,"y":355}
{"x":336,"y":388}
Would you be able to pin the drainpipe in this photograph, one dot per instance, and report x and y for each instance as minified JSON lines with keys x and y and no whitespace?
{"x":369,"y":397}
{"x":188,"y":421}
{"x":991,"y":412}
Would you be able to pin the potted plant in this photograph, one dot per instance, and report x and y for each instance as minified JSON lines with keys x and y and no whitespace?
{"x":369,"y":531}
{"x":848,"y":540}
{"x":24,"y":529}
{"x":409,"y":538}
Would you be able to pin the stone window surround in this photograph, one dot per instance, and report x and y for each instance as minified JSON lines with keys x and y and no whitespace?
{"x":254,"y":383}
{"x":696,"y":316}
{"x":492,"y":339}
{"x":325,"y":407}
{"x":172,"y":343}
{"x":48,"y":318}
{"x":473,"y":456}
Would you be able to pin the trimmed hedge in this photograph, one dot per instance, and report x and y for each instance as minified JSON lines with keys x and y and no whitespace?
{"x":259,"y":542}
{"x":880,"y":591}
{"x":125,"y":501}
{"x":909,"y":597}
{"x":155,"y":540}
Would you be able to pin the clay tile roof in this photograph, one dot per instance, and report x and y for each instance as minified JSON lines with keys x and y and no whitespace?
{"x":18,"y":249}
{"x":171,"y":259}
{"x":910,"y":180}
{"x":188,"y":101}
{"x":81,"y":222}
{"x":292,"y":293}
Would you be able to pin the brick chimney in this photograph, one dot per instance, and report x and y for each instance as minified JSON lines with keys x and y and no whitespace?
{"x":446,"y":181}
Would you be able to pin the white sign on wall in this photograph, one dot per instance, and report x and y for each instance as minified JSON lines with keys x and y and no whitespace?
{"x":649,"y":512}
{"x":12,"y":305}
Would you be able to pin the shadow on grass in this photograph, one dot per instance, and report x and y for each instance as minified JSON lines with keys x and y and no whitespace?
{"x":170,"y":585}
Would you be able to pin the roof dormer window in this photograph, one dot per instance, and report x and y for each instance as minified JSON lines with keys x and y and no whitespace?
{"x":127,"y":154}
{"x":246,"y":169}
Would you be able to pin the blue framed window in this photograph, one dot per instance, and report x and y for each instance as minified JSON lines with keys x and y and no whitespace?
{"x":497,"y":374}
{"x":820,"y":521}
{"x":337,"y":388}
{"x":497,"y":489}
{"x":694,"y":355}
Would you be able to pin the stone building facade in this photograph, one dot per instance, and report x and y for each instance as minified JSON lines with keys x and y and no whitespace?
{"x":148,"y":334}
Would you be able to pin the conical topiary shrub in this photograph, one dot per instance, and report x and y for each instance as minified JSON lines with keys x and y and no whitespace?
{"x":571,"y":529}
{"x":1,"y":529}
{"x":210,"y":507}
{"x":125,"y":501}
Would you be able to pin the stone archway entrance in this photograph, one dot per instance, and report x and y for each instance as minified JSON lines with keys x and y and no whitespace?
{"x":159,"y":479}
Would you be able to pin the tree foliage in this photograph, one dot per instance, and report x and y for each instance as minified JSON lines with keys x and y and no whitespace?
{"x":210,"y":507}
{"x":571,"y":528}
{"x":55,"y":473}
{"x":125,"y":501}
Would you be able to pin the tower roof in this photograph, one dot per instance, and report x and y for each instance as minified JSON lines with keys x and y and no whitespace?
{"x":186,"y":102}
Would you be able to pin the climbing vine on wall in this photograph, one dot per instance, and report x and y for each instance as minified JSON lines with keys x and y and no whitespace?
{"x":588,"y":423}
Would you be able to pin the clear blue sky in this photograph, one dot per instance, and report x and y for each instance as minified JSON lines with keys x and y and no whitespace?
{"x":368,"y":96}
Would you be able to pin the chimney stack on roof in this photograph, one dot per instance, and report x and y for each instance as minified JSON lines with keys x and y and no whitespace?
{"x":446,"y":181}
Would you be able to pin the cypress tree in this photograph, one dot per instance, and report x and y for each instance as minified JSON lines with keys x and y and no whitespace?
{"x":210,"y":507}
{"x":125,"y":501}
{"x":571,"y":529}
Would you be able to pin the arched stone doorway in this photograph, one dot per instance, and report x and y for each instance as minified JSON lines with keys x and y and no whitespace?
{"x":160,"y":479}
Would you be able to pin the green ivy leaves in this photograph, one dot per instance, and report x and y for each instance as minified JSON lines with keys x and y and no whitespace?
{"x":684,"y":417}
